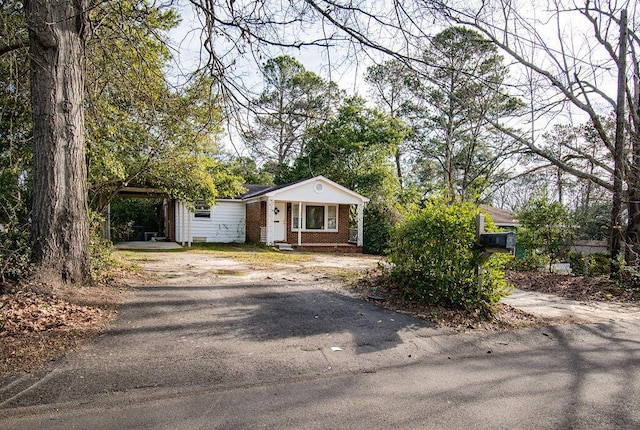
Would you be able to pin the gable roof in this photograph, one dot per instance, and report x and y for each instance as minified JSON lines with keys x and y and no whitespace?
{"x":255,"y":191}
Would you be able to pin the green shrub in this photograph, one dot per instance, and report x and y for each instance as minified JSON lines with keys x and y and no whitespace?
{"x":529,"y":263}
{"x":578,"y":263}
{"x":379,"y":222}
{"x":435,"y":255}
{"x":15,"y":238}
{"x":596,"y":264}
{"x":599,"y":264}
{"x":628,"y":277}
{"x":544,"y":228}
{"x":100,"y":249}
{"x":15,"y":253}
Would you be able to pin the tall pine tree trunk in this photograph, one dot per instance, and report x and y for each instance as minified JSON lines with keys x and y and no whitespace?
{"x":59,"y":214}
{"x":632,"y":256}
{"x":618,"y":172}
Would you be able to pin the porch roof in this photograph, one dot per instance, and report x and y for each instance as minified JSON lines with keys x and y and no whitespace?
{"x":316,"y":189}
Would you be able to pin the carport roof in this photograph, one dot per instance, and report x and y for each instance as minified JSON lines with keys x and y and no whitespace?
{"x":142,"y":192}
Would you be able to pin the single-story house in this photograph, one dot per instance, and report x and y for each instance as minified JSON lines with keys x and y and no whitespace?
{"x":500,"y":217}
{"x":314,"y":213}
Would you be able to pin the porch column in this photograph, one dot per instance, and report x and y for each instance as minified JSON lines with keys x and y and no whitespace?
{"x":271,"y":205}
{"x":299,"y":223}
{"x":360,"y":224}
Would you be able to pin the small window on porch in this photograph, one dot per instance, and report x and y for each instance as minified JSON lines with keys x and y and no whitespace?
{"x":332,"y":218}
{"x":295,"y":221}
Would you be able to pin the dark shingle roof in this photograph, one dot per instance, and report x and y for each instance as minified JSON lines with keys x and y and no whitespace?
{"x":259,"y":190}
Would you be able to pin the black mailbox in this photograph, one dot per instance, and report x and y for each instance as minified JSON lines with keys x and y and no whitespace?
{"x":506,"y":240}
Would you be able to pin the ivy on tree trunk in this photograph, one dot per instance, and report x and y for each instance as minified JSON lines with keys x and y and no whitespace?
{"x":57,"y":35}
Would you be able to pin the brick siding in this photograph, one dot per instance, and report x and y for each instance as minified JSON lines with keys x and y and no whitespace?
{"x":256,"y":218}
{"x":341,"y":236}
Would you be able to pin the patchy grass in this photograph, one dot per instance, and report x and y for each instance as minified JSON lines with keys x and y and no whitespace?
{"x":136,"y":256}
{"x":347,"y":276}
{"x":252,"y":254}
{"x":227,"y":272}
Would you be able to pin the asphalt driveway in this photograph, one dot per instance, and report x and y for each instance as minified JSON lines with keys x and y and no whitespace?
{"x":284,"y":352}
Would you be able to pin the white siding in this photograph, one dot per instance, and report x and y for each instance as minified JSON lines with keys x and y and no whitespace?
{"x":226,"y":225}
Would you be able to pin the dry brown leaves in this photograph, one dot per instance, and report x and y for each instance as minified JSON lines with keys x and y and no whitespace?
{"x":579,"y":288}
{"x":40,"y":323}
{"x":25,"y":312}
{"x":375,"y":288}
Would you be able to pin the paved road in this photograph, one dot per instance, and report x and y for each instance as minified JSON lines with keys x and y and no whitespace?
{"x":290,"y":355}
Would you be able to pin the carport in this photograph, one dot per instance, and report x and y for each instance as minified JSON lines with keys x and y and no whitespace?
{"x":148,"y":193}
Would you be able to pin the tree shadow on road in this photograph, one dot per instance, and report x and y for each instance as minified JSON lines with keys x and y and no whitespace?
{"x":269,"y":312}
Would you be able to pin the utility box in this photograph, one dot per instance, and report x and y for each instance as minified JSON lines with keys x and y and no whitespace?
{"x":505,"y":240}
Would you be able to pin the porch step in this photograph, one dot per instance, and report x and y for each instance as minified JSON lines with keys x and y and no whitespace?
{"x":284,"y":247}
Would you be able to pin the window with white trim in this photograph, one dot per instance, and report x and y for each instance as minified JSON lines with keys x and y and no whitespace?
{"x":295,"y":212}
{"x":314,"y":217}
{"x":202,"y":210}
{"x":332,"y":217}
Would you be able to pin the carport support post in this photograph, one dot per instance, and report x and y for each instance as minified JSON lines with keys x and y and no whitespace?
{"x":189,"y":229}
{"x":181,"y":212}
{"x":107,"y":229}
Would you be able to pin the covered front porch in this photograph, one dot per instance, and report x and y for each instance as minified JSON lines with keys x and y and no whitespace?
{"x":316,"y":214}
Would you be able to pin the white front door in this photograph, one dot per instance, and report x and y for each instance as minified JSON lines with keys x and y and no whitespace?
{"x":279,"y":222}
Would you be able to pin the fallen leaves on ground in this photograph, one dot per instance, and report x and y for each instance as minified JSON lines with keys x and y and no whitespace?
{"x":579,"y":288}
{"x":40,"y":323}
{"x":27,"y":311}
{"x":375,"y":288}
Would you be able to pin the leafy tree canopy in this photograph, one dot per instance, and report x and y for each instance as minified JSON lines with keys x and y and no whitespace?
{"x":456,"y":100}
{"x":293,"y":101}
{"x":140,"y":130}
{"x":354,"y":148}
{"x":544,"y":228}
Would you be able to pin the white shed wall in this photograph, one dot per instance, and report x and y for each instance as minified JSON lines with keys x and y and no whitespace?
{"x":226,"y":225}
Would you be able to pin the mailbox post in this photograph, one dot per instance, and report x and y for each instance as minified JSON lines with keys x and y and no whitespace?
{"x":494,"y":242}
{"x":491,"y":243}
